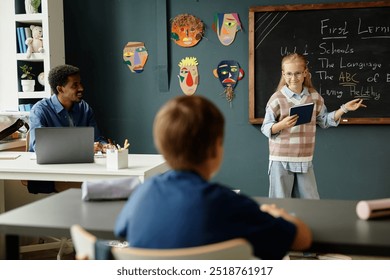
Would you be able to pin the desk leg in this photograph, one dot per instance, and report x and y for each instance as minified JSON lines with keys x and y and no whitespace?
{"x":12,"y":247}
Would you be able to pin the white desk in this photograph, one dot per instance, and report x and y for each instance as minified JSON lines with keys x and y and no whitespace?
{"x":26,"y":168}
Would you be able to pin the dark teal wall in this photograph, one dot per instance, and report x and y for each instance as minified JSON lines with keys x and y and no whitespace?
{"x":351,"y":162}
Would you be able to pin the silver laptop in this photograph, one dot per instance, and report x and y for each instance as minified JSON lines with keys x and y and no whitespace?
{"x":55,"y":145}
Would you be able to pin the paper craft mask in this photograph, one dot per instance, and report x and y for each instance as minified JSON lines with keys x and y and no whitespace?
{"x":229,"y":73}
{"x":226,"y":27}
{"x":135,"y":56}
{"x":188,"y":76}
{"x":186,"y":30}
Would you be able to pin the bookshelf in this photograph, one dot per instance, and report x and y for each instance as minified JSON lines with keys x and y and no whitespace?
{"x":50,"y":18}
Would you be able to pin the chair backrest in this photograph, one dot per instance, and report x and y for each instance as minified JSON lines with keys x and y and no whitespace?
{"x":234,"y":249}
{"x":83,"y":242}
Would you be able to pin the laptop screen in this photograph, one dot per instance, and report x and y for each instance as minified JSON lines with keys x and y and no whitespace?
{"x":55,"y":145}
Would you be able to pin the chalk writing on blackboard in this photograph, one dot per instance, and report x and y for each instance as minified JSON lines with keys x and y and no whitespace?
{"x":346,"y":45}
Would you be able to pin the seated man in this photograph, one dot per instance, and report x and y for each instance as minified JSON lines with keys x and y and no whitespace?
{"x":182,"y":208}
{"x":65,"y":107}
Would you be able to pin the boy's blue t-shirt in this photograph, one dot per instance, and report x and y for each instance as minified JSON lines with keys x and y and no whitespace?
{"x":180,"y":209}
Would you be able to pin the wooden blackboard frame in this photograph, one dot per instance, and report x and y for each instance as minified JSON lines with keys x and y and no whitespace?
{"x":256,"y":119}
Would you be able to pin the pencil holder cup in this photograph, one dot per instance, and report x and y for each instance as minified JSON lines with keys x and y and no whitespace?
{"x":117,"y":159}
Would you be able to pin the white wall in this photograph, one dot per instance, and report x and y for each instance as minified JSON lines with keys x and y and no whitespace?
{"x":8,"y":87}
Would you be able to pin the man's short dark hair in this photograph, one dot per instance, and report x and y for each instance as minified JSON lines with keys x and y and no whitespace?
{"x":58,"y":76}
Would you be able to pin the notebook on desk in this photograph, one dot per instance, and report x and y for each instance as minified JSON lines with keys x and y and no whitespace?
{"x":54,"y":145}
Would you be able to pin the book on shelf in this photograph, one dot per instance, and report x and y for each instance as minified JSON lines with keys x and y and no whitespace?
{"x":20,"y":47}
{"x":25,"y":107}
{"x":23,"y":37}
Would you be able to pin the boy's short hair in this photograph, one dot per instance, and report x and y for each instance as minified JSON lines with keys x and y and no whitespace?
{"x":58,"y":76}
{"x":186,"y":130}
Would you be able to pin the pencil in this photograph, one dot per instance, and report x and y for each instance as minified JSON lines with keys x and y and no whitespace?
{"x":126,"y":144}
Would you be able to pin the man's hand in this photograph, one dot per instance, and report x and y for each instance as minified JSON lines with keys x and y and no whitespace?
{"x":97,"y":147}
{"x":100,"y":147}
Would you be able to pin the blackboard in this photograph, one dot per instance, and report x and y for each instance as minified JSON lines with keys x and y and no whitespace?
{"x":347,"y":46}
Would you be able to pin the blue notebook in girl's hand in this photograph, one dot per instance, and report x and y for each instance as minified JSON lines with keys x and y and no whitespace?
{"x":304,"y":111}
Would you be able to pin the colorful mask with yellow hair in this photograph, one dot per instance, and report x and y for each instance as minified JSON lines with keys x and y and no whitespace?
{"x":188,"y":76}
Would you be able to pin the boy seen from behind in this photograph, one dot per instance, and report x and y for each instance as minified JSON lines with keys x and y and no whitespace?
{"x":182,"y":208}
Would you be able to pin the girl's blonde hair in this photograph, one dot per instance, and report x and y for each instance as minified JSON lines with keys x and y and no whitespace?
{"x":294,"y":57}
